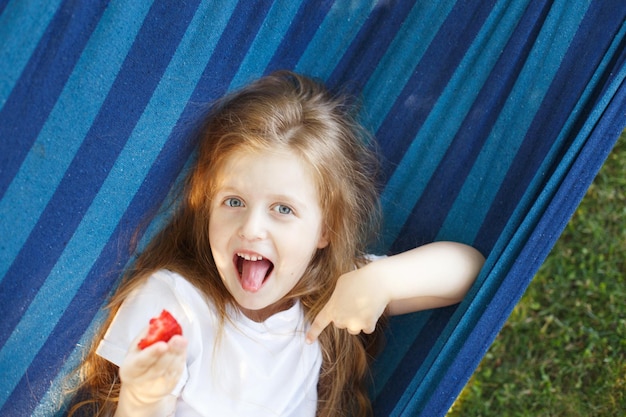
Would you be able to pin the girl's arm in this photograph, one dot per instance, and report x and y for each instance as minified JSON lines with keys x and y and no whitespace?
{"x":148,"y":377}
{"x":430,"y":276}
{"x":434,"y":275}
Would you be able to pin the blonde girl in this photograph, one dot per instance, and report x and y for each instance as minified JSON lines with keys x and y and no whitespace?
{"x":266,"y":249}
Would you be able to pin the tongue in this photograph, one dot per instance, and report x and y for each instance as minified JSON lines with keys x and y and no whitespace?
{"x":253,"y":273}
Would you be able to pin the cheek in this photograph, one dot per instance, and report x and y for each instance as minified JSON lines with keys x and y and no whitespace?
{"x":216,"y":236}
{"x":301,"y":254}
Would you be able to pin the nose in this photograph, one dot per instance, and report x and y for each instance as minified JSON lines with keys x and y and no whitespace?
{"x":253,"y":225}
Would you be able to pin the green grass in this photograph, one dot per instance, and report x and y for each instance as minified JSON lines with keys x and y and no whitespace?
{"x":563,"y":350}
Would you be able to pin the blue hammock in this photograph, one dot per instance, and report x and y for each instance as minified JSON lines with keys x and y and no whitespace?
{"x":493,"y":117}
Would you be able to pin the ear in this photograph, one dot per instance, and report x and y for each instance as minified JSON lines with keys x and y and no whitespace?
{"x":323,"y":239}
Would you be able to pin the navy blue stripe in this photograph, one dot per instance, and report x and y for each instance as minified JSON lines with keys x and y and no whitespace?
{"x":230,"y":51}
{"x":369,"y":45}
{"x":617,"y":62}
{"x":573,"y":76}
{"x":305,"y":23}
{"x":155,"y":44}
{"x":236,"y":40}
{"x":390,"y":395}
{"x":41,"y":82}
{"x":399,"y":337}
{"x":431,"y":210}
{"x":3,"y":5}
{"x":429,"y":80}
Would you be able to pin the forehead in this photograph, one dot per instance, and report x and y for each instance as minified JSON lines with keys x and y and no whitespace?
{"x":280,"y":171}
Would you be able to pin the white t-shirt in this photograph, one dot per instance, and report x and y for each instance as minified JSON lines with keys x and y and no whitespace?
{"x":258,"y":369}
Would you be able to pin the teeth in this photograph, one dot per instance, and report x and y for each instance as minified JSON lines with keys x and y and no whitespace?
{"x":250,"y":257}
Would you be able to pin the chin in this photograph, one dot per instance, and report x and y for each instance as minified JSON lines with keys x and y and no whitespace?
{"x":260,"y":311}
{"x":252,"y":306}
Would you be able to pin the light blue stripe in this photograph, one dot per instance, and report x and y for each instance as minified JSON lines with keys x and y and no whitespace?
{"x":400,"y":336}
{"x":68,"y":123}
{"x":125,"y":178}
{"x":424,"y":154}
{"x":56,"y":395}
{"x":492,"y":164}
{"x":404,"y":53}
{"x":333,"y":37}
{"x":22,"y":24}
{"x":266,"y":41}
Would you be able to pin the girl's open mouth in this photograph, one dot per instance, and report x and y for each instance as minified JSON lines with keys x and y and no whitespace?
{"x":253,"y":270}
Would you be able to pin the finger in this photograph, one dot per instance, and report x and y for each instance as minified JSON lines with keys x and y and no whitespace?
{"x":171,"y":367}
{"x":357,"y":327}
{"x":147,"y":358}
{"x":353,"y":331}
{"x":177,"y":344}
{"x":175,"y":352}
{"x":369,"y":330}
{"x":369,"y":326}
{"x":318,"y":326}
{"x":144,"y":359}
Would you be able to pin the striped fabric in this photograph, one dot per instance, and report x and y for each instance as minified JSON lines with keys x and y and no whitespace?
{"x":493,"y":116}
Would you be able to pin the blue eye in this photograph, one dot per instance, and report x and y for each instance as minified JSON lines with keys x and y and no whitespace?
{"x":282,"y":209}
{"x":233,"y":202}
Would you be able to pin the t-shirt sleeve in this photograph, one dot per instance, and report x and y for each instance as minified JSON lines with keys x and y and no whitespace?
{"x":373,"y":258}
{"x":157,"y":293}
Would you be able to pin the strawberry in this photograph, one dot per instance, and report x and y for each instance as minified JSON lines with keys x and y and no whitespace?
{"x":162,"y":328}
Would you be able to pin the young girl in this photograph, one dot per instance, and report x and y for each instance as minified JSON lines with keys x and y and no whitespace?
{"x":264,"y":252}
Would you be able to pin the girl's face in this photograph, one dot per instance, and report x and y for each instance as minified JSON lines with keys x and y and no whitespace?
{"x":265,"y":226}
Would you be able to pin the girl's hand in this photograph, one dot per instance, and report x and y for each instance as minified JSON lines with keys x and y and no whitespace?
{"x":358,"y":301}
{"x":434,"y":275}
{"x":150,"y":375}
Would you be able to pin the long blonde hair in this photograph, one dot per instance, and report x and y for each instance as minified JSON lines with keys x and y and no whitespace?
{"x":291,"y":111}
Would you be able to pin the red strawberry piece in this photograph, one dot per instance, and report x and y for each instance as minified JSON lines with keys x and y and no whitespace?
{"x":161,"y":328}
